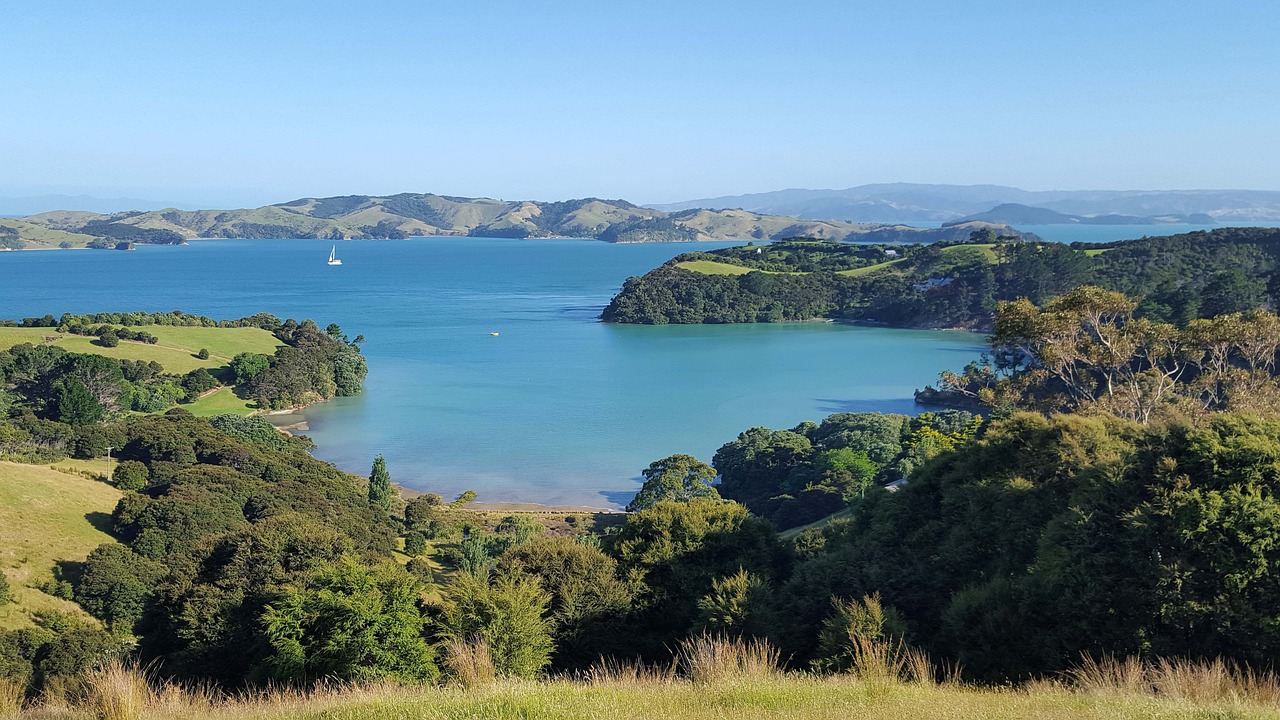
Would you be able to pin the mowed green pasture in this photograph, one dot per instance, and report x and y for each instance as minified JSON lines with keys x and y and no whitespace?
{"x":222,"y":401}
{"x":47,"y":516}
{"x":858,"y":272}
{"x":712,"y":267}
{"x":175,"y":348}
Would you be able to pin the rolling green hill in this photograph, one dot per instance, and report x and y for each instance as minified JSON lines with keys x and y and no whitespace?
{"x":175,"y":350}
{"x":46,"y":516}
{"x":22,"y":235}
{"x":409,"y":214}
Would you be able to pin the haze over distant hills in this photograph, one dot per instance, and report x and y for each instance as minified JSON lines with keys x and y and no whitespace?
{"x":907,"y":202}
{"x":1018,"y":214}
{"x":408,"y":214}
{"x":32,"y":204}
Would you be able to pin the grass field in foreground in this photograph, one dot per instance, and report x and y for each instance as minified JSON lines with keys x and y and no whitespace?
{"x":795,"y":697}
{"x":46,"y":516}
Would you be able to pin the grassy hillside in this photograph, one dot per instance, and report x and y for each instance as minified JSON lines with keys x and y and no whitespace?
{"x":711,"y":267}
{"x":35,"y":236}
{"x":175,"y":350}
{"x":954,"y":253}
{"x":46,"y":516}
{"x":398,"y":216}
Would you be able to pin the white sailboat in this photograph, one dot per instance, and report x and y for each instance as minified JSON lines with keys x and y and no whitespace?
{"x":333,"y":253}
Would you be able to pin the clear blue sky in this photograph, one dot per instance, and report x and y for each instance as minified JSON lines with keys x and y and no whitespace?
{"x":244,"y":103}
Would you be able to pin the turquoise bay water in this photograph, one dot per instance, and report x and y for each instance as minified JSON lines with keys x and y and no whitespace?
{"x":558,"y":408}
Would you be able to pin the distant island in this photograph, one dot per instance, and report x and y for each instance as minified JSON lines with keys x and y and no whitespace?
{"x":1017,"y":213}
{"x":1178,"y":278}
{"x":410,"y":214}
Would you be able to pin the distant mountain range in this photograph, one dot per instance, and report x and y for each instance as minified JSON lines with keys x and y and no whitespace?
{"x":1018,"y":214}
{"x":408,"y":214}
{"x":911,"y":202}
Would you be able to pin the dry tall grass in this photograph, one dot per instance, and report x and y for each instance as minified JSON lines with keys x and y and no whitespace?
{"x":881,"y":660}
{"x":1196,"y":681}
{"x":626,"y":673}
{"x":890,"y":683}
{"x":710,"y":658}
{"x":10,"y":698}
{"x":117,"y":691}
{"x":469,"y":663}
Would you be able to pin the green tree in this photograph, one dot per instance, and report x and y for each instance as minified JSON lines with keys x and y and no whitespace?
{"x":115,"y":584}
{"x":196,"y":383}
{"x":673,"y":552}
{"x":421,"y":510}
{"x":380,"y":492}
{"x":74,"y":404}
{"x":247,"y":366}
{"x":588,"y":602}
{"x":736,"y":604}
{"x":850,"y":622}
{"x":753,"y":467}
{"x":516,"y":530}
{"x":1231,"y":291}
{"x":415,"y":543}
{"x":130,"y":475}
{"x":352,"y":622}
{"x":846,"y":471}
{"x":74,"y":650}
{"x":679,"y":478}
{"x":203,"y":354}
{"x":508,"y":614}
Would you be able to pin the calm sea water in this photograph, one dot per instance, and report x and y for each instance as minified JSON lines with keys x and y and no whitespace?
{"x":558,"y":408}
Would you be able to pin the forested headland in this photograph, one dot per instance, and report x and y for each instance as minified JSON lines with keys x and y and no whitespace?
{"x":55,"y":399}
{"x":1176,"y":278}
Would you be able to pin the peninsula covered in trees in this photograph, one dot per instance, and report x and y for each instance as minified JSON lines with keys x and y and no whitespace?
{"x":415,"y":214}
{"x":55,"y":395}
{"x":1175,"y":278}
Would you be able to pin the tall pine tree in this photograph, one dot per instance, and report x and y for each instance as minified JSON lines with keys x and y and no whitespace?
{"x":380,"y":493}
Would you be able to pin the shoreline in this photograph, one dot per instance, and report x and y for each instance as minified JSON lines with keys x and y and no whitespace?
{"x":407,"y":493}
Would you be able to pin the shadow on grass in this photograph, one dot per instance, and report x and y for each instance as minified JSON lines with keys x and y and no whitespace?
{"x":102,"y":522}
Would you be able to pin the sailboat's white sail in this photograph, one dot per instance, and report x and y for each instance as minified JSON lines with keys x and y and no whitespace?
{"x":333,"y":256}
